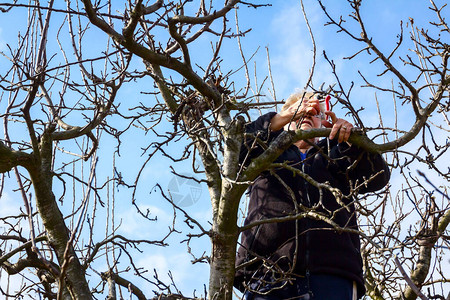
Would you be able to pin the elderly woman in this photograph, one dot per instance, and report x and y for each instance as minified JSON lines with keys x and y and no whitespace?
{"x":306,"y":258}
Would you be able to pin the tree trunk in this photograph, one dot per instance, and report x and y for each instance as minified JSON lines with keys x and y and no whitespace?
{"x":222,"y":265}
{"x":420,"y":273}
{"x":74,"y":280}
{"x":224,"y":242}
{"x":225,"y":230}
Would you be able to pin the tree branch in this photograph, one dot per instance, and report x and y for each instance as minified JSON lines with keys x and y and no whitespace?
{"x":110,"y":275}
{"x":10,"y":158}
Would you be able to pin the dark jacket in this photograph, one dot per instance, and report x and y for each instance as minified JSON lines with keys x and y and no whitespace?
{"x":319,"y":248}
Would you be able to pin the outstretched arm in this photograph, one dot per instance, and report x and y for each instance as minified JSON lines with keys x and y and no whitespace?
{"x":294,"y":113}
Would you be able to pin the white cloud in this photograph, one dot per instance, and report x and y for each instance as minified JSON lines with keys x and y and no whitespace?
{"x":186,"y":276}
{"x":14,"y":284}
{"x":159,"y":262}
{"x":292,"y":50}
{"x":2,"y":43}
{"x":135,"y":226}
{"x":10,"y":205}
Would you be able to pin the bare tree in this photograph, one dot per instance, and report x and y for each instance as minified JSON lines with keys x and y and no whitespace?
{"x":403,"y":260}
{"x":66,"y":92}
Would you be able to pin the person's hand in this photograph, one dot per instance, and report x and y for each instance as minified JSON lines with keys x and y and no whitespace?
{"x":338,"y":126}
{"x":295,"y":112}
{"x":308,"y":107}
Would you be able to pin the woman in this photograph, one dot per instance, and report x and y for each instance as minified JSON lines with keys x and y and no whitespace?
{"x":306,"y":258}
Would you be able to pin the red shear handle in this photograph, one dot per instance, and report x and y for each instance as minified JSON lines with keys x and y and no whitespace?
{"x":327,"y":102}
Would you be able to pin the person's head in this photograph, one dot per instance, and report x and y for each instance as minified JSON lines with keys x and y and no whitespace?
{"x":307,"y":122}
{"x":296,"y":97}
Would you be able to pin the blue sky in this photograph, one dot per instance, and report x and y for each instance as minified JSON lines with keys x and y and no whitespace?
{"x":282,"y":29}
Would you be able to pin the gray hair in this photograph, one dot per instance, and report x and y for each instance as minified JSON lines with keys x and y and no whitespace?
{"x":296,"y":97}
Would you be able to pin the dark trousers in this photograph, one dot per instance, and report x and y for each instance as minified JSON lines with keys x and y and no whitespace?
{"x":320,"y":287}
